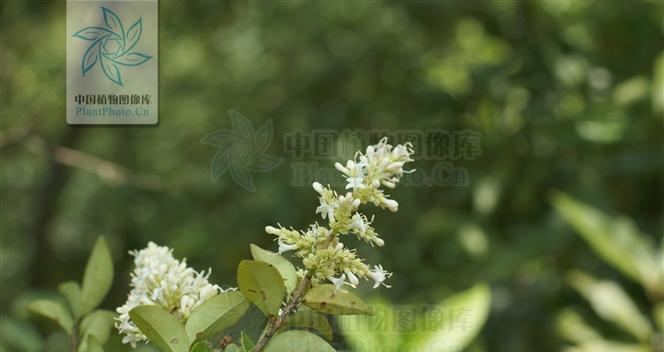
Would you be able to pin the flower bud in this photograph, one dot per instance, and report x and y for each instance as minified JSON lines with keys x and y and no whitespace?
{"x":379,"y":241}
{"x":352,"y":278}
{"x":391,"y":204}
{"x":395,"y":167}
{"x":272,"y":230}
{"x":341,"y":168}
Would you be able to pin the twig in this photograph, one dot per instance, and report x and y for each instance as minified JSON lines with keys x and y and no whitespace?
{"x":291,"y":307}
{"x":108,"y":171}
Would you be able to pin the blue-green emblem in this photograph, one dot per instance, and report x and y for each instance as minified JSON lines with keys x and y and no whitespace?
{"x":111,"y":46}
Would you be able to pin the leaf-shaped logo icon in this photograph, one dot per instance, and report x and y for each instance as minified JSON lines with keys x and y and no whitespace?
{"x":241,"y":150}
{"x":112,"y":46}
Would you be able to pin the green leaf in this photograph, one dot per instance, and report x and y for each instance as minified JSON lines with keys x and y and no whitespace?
{"x":201,"y":346}
{"x":297,"y":340}
{"x":98,"y":277}
{"x":307,"y":318}
{"x":330,"y":300}
{"x":285,"y":268}
{"x":163,"y":329}
{"x":262,"y":285}
{"x":571,"y":326}
{"x":381,"y":331}
{"x":232,"y":348}
{"x":20,"y":336}
{"x":93,"y":345}
{"x":608,"y":346}
{"x":612,"y":303}
{"x":456,"y":322}
{"x":98,"y":324}
{"x":247,"y":344}
{"x":615,"y":240}
{"x":215,"y":315}
{"x":72,"y":292}
{"x":53,"y":311}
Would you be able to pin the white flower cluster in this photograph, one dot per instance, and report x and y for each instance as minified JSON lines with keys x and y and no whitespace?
{"x":323,"y":254}
{"x":159,"y":279}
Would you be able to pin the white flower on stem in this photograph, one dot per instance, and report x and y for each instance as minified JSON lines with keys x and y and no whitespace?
{"x":379,"y":275}
{"x":283,"y":247}
{"x":338,"y":282}
{"x":355,"y":183}
{"x":355,"y":178}
{"x":359,"y":223}
{"x":326,"y":210}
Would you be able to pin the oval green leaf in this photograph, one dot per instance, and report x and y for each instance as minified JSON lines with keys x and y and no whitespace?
{"x":93,"y":345}
{"x":285,"y":268}
{"x":298,"y":340}
{"x":247,"y":344}
{"x":612,"y":303}
{"x":307,"y":318}
{"x":97,"y":278}
{"x":201,"y":346}
{"x":98,"y":324}
{"x":215,"y":315}
{"x":614,"y":239}
{"x":54,"y":311}
{"x":72,"y":292}
{"x":330,"y":300}
{"x":163,"y":329}
{"x":262,"y":285}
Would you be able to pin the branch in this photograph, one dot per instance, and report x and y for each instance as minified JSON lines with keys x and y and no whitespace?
{"x":107,"y":171}
{"x":291,"y":307}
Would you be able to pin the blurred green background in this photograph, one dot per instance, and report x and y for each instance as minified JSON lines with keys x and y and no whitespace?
{"x":567,"y":96}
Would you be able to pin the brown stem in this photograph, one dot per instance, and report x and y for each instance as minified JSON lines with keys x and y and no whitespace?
{"x":73,"y":338}
{"x":291,"y":307}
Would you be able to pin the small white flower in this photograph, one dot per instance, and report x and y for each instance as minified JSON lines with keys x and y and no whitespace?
{"x":379,"y":275}
{"x":338,"y":282}
{"x":358,"y":223}
{"x":355,"y":183}
{"x":326,"y":210}
{"x":283,"y":247}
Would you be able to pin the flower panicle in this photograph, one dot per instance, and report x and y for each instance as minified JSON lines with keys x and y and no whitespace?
{"x":324,"y":256}
{"x":160,"y":279}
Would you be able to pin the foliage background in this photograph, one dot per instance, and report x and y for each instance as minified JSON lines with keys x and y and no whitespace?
{"x":566,"y":94}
